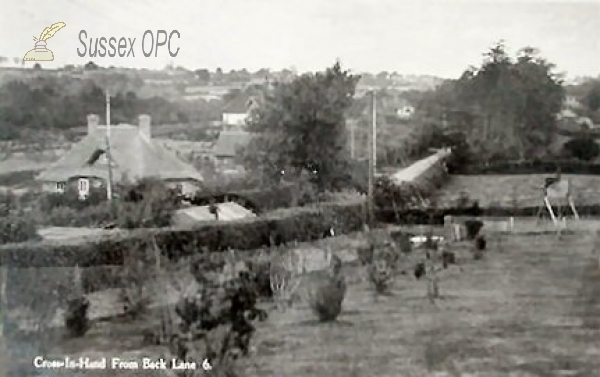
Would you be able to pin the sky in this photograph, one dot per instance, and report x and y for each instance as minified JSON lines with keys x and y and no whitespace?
{"x":441,"y":38}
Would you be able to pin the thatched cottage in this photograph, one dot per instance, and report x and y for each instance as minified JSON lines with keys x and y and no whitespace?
{"x":134,"y":156}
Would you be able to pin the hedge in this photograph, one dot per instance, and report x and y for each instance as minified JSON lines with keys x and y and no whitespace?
{"x":435,"y":216}
{"x":300,"y":224}
{"x":532,"y":167}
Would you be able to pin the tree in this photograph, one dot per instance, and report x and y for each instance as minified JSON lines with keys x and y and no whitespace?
{"x":90,"y":66}
{"x":203,"y":75}
{"x":592,"y":97}
{"x":301,"y":129}
{"x":584,"y":149}
{"x":510,"y":104}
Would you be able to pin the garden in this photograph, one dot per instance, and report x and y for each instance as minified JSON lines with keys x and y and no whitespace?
{"x":525,"y":301}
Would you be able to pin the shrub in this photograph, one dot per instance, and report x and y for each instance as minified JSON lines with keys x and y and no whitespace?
{"x":585,"y":149}
{"x":473,"y":227}
{"x":380,"y":275}
{"x":76,"y":317}
{"x":365,"y":255}
{"x":480,"y":243}
{"x":70,"y":198}
{"x":326,"y":293}
{"x":17,"y":228}
{"x":220,"y":316}
{"x":137,"y":272}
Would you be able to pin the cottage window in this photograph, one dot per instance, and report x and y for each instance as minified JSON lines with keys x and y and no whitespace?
{"x":83,"y":187}
{"x":61,"y":187}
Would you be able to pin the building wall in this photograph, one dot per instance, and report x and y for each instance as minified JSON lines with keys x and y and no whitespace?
{"x":58,"y":187}
{"x":187,"y":187}
{"x":234,"y":119}
{"x":406,"y":111}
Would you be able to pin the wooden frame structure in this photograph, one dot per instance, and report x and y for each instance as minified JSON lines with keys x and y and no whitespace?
{"x":557,"y":189}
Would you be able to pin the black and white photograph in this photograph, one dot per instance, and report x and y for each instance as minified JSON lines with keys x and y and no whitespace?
{"x":300,"y":188}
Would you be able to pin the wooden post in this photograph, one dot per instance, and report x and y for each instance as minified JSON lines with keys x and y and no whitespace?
{"x":372,"y":154}
{"x":3,"y":299}
{"x":109,"y":184}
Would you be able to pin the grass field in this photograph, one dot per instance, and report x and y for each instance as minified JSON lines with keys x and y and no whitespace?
{"x":514,"y":190}
{"x":531,"y":307}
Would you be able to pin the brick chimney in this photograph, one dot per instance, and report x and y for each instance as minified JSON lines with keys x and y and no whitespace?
{"x":93,"y":120}
{"x":144,"y":123}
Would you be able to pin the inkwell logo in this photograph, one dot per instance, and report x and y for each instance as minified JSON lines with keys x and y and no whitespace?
{"x":40,"y":53}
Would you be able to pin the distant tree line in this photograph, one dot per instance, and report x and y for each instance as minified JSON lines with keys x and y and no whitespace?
{"x":50,"y":103}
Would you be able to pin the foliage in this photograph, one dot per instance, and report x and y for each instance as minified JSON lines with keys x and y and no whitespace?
{"x":389,"y":196}
{"x":326,"y":296}
{"x":220,"y":316}
{"x":480,"y":242}
{"x":585,"y":149}
{"x":301,"y":128}
{"x":383,"y":268}
{"x":592,"y":97}
{"x":15,"y":225}
{"x":296,"y":224}
{"x":473,"y":227}
{"x":70,"y":199}
{"x":17,"y":228}
{"x":61,"y":103}
{"x":506,"y":106}
{"x":137,"y":272}
{"x":148,"y":203}
{"x":76,"y":316}
{"x":535,"y":166}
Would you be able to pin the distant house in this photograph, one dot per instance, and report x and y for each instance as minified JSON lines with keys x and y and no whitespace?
{"x":237,"y":110}
{"x":571,"y":102}
{"x":134,"y":156}
{"x":405,"y":110}
{"x":226,"y":146}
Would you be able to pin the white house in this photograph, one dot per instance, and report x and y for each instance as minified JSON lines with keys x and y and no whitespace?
{"x":236,"y":112}
{"x":405,"y":110}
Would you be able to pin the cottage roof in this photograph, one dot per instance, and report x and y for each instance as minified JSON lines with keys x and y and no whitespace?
{"x":241,"y":104}
{"x":133,"y":156}
{"x":229,"y":141}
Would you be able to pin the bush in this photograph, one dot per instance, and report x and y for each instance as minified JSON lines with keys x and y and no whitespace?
{"x":76,"y":316}
{"x":473,"y":227}
{"x":70,"y":198}
{"x":326,"y":301}
{"x":15,"y":229}
{"x":220,"y":316}
{"x":585,"y":149}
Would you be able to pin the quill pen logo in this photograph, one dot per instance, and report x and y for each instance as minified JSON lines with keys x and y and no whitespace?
{"x":40,"y":53}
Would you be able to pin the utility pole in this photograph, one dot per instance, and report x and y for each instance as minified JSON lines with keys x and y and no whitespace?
{"x":352,"y":142}
{"x":372,"y":161}
{"x":108,"y":156}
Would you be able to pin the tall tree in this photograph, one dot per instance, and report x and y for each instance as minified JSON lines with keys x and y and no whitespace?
{"x":513,"y":102}
{"x":301,"y":128}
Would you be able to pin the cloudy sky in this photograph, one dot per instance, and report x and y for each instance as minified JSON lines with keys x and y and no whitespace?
{"x":411,"y":37}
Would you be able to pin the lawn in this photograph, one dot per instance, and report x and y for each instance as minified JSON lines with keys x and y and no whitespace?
{"x":531,"y":307}
{"x":513,"y":190}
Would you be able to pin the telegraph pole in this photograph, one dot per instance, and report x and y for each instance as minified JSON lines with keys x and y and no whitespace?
{"x":108,"y":156}
{"x":352,"y":143}
{"x":372,"y":161}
